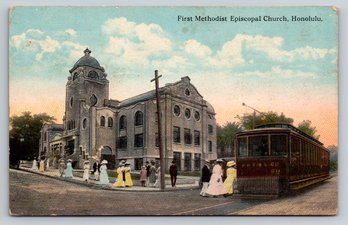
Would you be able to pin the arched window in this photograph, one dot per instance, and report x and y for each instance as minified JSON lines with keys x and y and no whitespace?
{"x":123,"y":122}
{"x":102,"y":121}
{"x":106,"y":150}
{"x":84,"y":123}
{"x":110,"y":122}
{"x":71,"y":101}
{"x":75,"y":76}
{"x":138,"y":120}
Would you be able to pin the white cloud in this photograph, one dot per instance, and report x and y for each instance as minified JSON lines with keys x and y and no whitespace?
{"x":174,"y":62}
{"x":75,"y":50}
{"x":70,"y":32}
{"x":135,"y":43}
{"x":277,"y":71}
{"x":231,"y":53}
{"x":36,"y":41}
{"x":196,"y":48}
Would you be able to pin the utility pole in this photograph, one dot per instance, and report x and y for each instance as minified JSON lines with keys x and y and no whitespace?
{"x":162,"y":163}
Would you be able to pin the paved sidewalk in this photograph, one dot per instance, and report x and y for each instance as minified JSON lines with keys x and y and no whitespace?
{"x":321,"y":199}
{"x":186,"y":182}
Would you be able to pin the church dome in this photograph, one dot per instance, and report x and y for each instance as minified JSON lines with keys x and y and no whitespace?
{"x":87,"y":60}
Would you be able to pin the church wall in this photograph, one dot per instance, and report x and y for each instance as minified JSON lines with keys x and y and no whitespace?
{"x":104,"y":135}
{"x":131,"y":130}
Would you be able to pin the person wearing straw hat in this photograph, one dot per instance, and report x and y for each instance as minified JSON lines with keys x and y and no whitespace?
{"x":231,"y":177}
{"x":69,"y":169}
{"x":120,"y":175}
{"x":86,"y":169}
{"x":205,"y":178}
{"x":216,"y":186}
{"x":127,"y":169}
{"x":104,"y":177}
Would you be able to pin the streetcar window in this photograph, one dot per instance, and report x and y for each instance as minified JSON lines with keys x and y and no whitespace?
{"x":242,"y":147}
{"x":295,"y":150}
{"x":258,"y":145}
{"x":278,"y":145}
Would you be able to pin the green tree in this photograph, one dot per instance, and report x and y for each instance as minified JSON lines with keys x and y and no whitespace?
{"x":250,"y":121}
{"x":25,"y":135}
{"x":226,"y":136}
{"x":333,"y":157}
{"x":306,"y":127}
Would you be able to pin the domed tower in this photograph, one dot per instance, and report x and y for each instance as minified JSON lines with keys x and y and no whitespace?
{"x":87,"y":88}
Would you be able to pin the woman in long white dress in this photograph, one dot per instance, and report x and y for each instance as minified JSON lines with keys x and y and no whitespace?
{"x":104,"y":177}
{"x":216,"y":186}
{"x":34,"y":167}
{"x":69,"y":169}
{"x":158,"y":177}
{"x":86,"y":168}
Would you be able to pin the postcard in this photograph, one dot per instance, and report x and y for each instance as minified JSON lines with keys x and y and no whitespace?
{"x":173,"y":111}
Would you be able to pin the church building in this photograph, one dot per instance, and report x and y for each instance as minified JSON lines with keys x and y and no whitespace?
{"x":96,"y":127}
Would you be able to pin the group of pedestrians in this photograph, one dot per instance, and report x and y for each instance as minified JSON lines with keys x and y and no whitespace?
{"x":124,"y":178}
{"x":213,"y":180}
{"x":38,"y":166}
{"x":213,"y":183}
{"x":150,"y":175}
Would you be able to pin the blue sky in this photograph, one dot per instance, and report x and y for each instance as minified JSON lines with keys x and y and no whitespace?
{"x":288,"y":67}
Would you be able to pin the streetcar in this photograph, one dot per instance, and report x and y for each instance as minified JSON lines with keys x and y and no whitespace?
{"x":274,"y":159}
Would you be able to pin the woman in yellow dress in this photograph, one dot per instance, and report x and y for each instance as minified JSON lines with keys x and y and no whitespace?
{"x":120,"y":181}
{"x":231,"y":176}
{"x":42,"y":165}
{"x":129,"y":182}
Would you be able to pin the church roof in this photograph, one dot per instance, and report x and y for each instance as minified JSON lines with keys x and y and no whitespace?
{"x":87,"y":60}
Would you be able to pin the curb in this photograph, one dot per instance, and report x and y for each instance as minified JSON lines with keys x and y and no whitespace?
{"x":104,"y":187}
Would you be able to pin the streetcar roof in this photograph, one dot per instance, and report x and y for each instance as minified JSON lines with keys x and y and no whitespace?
{"x":279,"y":127}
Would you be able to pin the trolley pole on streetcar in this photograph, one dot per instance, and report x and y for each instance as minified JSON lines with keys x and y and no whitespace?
{"x":254,"y":113}
{"x":162,"y":163}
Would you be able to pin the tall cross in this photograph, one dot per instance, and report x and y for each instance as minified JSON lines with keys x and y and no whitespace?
{"x":162,"y":163}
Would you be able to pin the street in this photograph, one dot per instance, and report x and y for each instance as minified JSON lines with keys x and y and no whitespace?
{"x":32,"y":194}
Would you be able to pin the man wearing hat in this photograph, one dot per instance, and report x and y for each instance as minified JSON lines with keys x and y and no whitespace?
{"x":173,"y":171}
{"x":205,"y":177}
{"x":231,"y":177}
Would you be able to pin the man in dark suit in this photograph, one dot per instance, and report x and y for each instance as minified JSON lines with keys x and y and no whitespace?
{"x":173,"y":171}
{"x":206,"y":174}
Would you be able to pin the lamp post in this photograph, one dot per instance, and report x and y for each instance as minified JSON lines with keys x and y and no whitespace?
{"x":254,"y":113}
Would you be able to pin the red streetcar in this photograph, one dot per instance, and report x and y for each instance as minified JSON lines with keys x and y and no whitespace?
{"x":276,"y":158}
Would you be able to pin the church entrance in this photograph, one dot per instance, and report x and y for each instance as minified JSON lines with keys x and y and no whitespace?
{"x":106,"y":153}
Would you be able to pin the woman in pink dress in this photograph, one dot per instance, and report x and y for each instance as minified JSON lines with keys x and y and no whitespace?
{"x":216,"y":185}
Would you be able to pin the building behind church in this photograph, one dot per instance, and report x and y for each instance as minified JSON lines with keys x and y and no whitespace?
{"x":96,"y":127}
